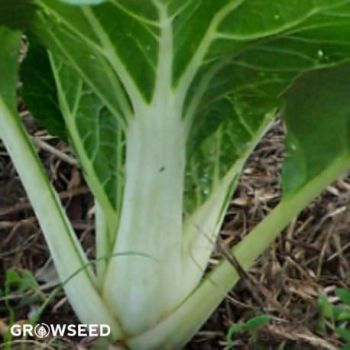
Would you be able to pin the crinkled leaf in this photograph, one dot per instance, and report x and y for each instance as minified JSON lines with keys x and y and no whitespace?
{"x":318,"y":123}
{"x":94,"y":134}
{"x":39,"y":90}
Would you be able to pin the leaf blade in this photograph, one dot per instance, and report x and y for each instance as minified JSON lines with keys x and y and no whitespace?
{"x":39,"y":90}
{"x":16,"y":15}
{"x":314,"y":101}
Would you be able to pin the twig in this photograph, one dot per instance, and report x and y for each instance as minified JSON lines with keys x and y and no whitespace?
{"x":27,"y":206}
{"x":252,"y":284}
{"x":300,"y":335}
{"x":242,"y":273}
{"x":54,"y":151}
{"x":4,"y":225}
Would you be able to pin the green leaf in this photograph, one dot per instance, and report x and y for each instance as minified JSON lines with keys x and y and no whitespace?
{"x":231,"y":72}
{"x":21,"y":282}
{"x":325,"y":307}
{"x":249,"y":326}
{"x":320,"y":325}
{"x":92,"y":40}
{"x":341,"y":314}
{"x":95,"y":136}
{"x":16,"y":14}
{"x":235,"y":87}
{"x":39,"y":91}
{"x":243,"y":75}
{"x":343,"y":295}
{"x":256,"y":322}
{"x":70,"y":260}
{"x":9,"y":55}
{"x":230,"y":32}
{"x":233,"y":332}
{"x":314,"y":140}
{"x":343,"y":333}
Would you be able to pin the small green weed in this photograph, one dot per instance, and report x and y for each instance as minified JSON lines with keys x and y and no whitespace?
{"x":23,"y":287}
{"x":250,"y":327}
{"x":335,"y":318}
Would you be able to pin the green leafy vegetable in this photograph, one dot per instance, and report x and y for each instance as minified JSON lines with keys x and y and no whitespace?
{"x":163,"y":101}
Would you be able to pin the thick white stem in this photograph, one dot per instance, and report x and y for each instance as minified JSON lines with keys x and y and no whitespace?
{"x":143,"y":278}
{"x":71,"y":263}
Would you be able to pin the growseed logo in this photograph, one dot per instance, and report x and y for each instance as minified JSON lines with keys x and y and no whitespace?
{"x":42,"y":330}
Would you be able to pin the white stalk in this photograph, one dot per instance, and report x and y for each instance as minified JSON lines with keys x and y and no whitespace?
{"x":103,"y":243}
{"x":143,"y":282}
{"x":143,"y":278}
{"x":71,"y":263}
